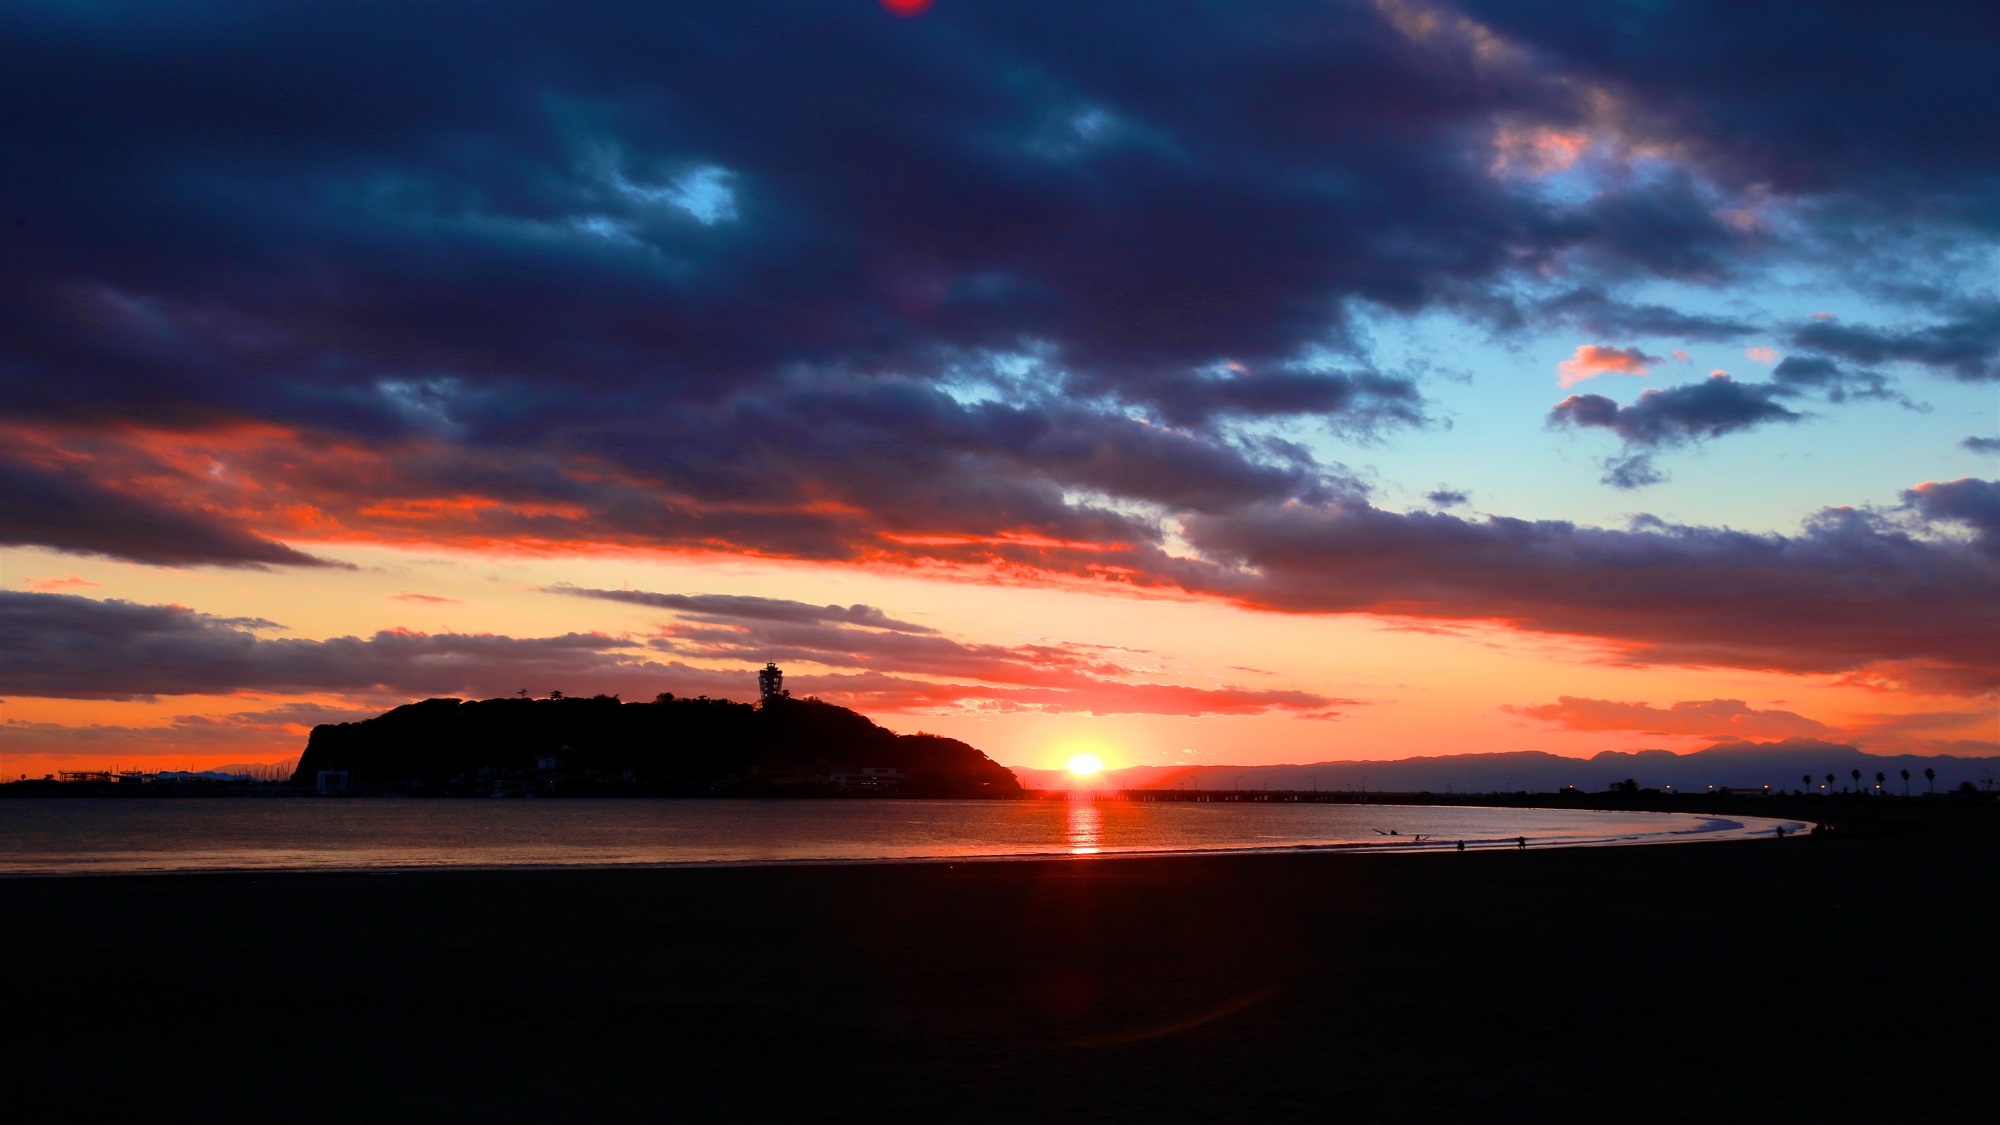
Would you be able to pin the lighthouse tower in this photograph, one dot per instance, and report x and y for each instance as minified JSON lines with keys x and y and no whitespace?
{"x":771,"y":683}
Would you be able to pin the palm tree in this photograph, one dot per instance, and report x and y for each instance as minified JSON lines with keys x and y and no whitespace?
{"x":1879,"y":779}
{"x":1906,"y":783}
{"x":1930,"y":779}
{"x":1808,"y":780}
{"x":1829,"y":785}
{"x":1856,"y":775}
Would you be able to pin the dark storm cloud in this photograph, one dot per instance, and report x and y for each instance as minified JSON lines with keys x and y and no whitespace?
{"x":1853,"y":592}
{"x":498,"y":224}
{"x":676,"y":238}
{"x":376,"y":217}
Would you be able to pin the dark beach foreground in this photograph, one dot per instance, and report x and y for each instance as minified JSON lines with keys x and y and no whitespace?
{"x":1847,"y":979}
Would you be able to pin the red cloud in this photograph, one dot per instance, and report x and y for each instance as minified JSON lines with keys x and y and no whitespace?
{"x":1532,"y":153}
{"x":878,"y":692}
{"x":1709,"y":718}
{"x":1592,"y":360}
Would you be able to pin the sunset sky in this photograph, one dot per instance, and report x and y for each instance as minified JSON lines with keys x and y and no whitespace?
{"x":1228,"y":382}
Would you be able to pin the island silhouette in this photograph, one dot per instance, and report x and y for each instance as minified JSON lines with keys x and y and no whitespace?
{"x":601,"y":746}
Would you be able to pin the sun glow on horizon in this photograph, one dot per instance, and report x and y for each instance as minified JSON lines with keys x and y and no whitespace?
{"x":1084,"y":765}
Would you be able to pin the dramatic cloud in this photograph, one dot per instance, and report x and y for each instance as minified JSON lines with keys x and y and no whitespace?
{"x":1853,"y":593}
{"x":1022,"y":291}
{"x":1709,"y":718}
{"x":1592,"y":360}
{"x":1982,"y":444}
{"x":996,"y":275}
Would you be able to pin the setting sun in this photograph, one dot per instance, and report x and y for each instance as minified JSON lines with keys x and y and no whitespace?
{"x":1085,"y":765}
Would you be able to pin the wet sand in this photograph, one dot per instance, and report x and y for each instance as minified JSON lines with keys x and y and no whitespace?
{"x":1832,"y":979}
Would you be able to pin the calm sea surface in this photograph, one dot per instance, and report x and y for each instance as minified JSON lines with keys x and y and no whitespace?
{"x":56,"y":836}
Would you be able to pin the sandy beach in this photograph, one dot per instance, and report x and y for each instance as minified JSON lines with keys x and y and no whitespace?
{"x":1831,"y":979}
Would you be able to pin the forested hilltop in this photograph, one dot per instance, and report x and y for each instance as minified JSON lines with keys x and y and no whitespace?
{"x":669,"y":747}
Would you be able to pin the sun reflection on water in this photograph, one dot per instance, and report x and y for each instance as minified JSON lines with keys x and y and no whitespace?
{"x":1085,"y":829}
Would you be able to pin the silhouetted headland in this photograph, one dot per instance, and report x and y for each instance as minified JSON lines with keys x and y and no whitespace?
{"x":601,"y":746}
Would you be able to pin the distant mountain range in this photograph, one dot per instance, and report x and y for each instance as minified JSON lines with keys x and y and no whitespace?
{"x":1739,"y":765}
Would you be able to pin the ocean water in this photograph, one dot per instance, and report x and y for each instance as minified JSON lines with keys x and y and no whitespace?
{"x":59,"y":836}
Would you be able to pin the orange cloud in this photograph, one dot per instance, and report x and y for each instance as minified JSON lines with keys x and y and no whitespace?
{"x":1707,"y":718}
{"x":1765,"y":356}
{"x":1534,"y":153}
{"x":66,"y":582}
{"x":1592,"y":360}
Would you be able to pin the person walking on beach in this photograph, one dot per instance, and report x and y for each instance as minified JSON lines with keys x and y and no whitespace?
{"x":1461,"y":845}
{"x":1521,"y":842}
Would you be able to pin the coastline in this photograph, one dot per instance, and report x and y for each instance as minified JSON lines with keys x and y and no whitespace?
{"x":155,"y":856}
{"x":1555,"y":984}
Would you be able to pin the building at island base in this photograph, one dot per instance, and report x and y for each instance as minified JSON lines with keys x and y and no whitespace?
{"x":867,"y":779}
